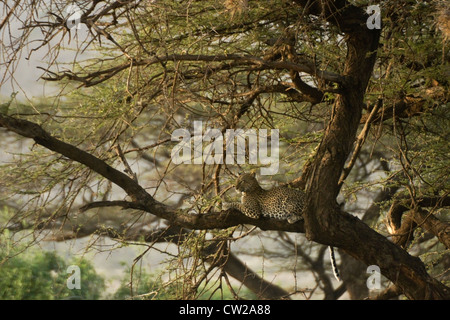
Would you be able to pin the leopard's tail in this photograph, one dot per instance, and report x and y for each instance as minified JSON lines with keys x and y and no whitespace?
{"x":333,"y":264}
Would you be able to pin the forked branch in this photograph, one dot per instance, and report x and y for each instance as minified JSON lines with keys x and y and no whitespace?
{"x":141,"y":200}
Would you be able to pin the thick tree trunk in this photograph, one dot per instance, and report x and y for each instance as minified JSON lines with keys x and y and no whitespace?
{"x":324,"y":221}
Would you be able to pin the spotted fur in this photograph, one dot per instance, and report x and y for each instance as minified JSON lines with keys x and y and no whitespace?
{"x":281,"y":203}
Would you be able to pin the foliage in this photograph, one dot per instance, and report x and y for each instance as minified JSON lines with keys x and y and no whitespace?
{"x":143,"y":285}
{"x":160,"y":65}
{"x":42,"y":275}
{"x":148,"y":286}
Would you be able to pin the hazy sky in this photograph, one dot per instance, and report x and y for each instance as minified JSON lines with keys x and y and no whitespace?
{"x":26,"y":75}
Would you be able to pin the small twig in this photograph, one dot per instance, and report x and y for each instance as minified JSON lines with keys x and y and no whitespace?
{"x":124,"y":161}
{"x":115,"y":203}
{"x":359,"y":143}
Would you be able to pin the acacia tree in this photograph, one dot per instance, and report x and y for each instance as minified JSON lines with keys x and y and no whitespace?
{"x":357,"y":108}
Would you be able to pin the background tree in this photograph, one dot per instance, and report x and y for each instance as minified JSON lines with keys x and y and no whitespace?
{"x":362,"y":115}
{"x":37,"y":275}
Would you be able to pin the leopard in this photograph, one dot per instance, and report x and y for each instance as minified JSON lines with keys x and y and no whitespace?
{"x":282,"y":203}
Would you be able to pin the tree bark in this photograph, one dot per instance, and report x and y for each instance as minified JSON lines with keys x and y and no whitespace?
{"x":324,"y":221}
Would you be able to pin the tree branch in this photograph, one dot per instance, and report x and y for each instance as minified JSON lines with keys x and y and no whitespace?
{"x":359,"y":143}
{"x":116,"y":203}
{"x":400,"y":206}
{"x":429,"y":222}
{"x":141,"y":199}
{"x":40,"y":136}
{"x":401,"y":228}
{"x":325,"y":222}
{"x":312,"y":94}
{"x":177,"y":235}
{"x":100,"y":76}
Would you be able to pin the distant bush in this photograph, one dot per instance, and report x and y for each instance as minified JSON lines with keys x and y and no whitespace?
{"x":42,"y":275}
{"x":147,"y":286}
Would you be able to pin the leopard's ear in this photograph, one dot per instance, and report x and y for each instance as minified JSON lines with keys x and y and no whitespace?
{"x":253,"y":173}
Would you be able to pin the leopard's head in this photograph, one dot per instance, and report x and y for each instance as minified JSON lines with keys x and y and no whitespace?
{"x":247,"y":182}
